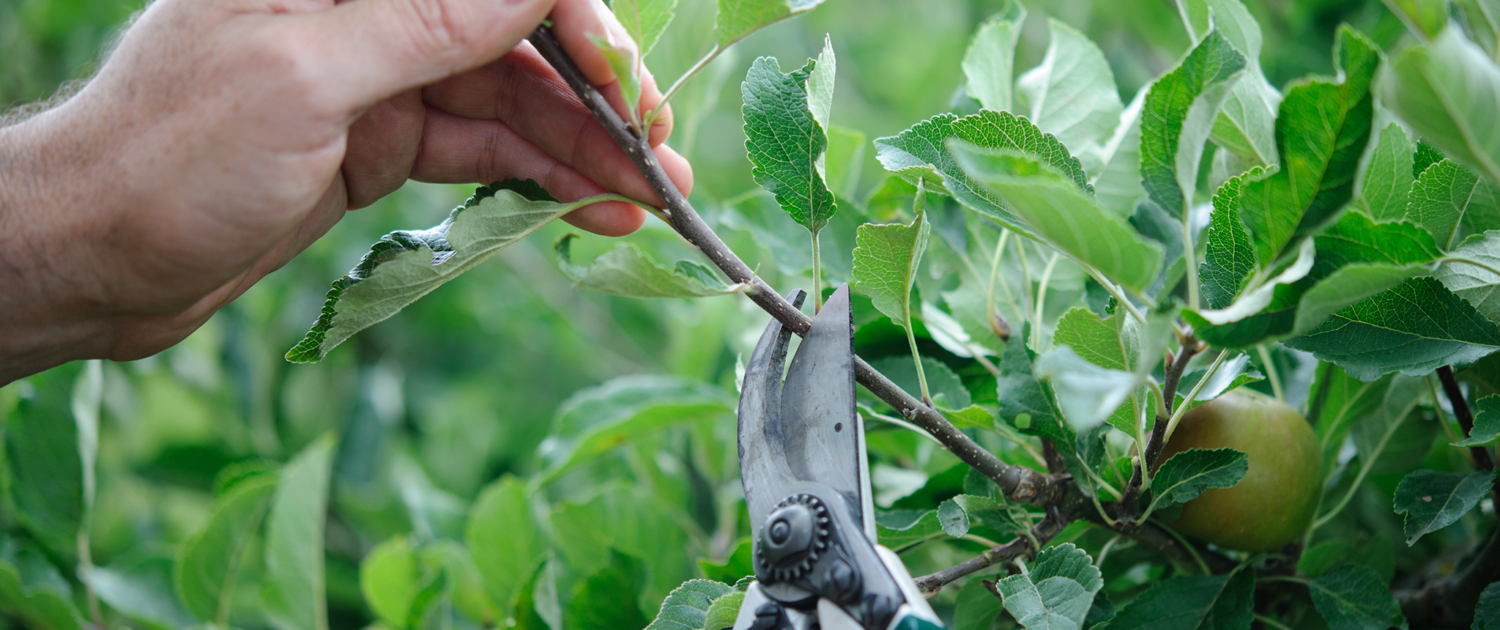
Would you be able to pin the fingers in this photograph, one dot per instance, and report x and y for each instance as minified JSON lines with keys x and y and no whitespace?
{"x":369,"y":50}
{"x":456,"y":150}
{"x":574,"y":21}
{"x":382,"y":148}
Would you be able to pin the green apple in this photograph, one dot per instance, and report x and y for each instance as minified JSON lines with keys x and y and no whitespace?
{"x":1277,"y":499}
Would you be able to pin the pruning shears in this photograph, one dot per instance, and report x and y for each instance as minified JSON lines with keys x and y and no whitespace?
{"x":807,"y":487}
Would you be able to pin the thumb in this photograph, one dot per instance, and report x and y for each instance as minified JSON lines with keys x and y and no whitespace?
{"x":374,"y":49}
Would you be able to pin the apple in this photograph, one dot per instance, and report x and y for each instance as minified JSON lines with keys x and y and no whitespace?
{"x":1277,"y":499}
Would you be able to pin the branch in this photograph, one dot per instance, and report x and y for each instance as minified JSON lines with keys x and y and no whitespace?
{"x":1021,"y":546}
{"x":1158,"y":440}
{"x":1019,"y":483}
{"x":1449,"y":602}
{"x":1482,"y":458}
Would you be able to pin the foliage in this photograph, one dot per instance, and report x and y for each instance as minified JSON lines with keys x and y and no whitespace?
{"x":1071,"y":227}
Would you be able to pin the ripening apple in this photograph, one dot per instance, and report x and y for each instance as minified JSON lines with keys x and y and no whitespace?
{"x":1276,"y":500}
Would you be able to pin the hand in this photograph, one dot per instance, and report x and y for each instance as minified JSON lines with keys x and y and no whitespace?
{"x":224,"y":136}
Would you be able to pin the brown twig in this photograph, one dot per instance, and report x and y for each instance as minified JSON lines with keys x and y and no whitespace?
{"x":1018,"y":483}
{"x":1053,"y":523}
{"x":1176,"y":366}
{"x":1482,"y":458}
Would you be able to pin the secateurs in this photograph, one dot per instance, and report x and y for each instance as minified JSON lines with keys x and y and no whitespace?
{"x":807,"y":487}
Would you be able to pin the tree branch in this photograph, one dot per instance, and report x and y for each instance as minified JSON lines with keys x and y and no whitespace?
{"x":1482,"y":458}
{"x":1019,"y":483}
{"x":1154,"y":444}
{"x":1021,"y":546}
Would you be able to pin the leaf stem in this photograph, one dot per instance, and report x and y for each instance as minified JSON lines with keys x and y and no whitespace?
{"x":917,"y":358}
{"x":1483,"y":460}
{"x":1116,"y":292}
{"x":989,"y":302}
{"x":1041,"y":300}
{"x":666,"y":97}
{"x":1271,"y":622}
{"x":1189,"y":254}
{"x":1193,"y":551}
{"x":1271,"y":373}
{"x":817,"y":274}
{"x":1197,"y":387}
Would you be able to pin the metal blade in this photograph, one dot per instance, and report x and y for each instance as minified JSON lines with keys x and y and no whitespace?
{"x":824,"y":439}
{"x":764,"y":469}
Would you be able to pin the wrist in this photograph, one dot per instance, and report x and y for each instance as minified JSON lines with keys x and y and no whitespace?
{"x":46,"y":316}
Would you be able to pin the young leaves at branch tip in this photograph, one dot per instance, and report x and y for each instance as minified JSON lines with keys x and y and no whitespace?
{"x":1179,"y":115}
{"x":886,"y":259}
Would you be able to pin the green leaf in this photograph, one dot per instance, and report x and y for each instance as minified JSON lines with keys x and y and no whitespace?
{"x":208,"y":562}
{"x":1086,"y":393}
{"x":1246,"y":125}
{"x":406,"y":265}
{"x":599,"y":419}
{"x":606,"y":600}
{"x":1338,"y":402}
{"x":1449,"y":92}
{"x":1057,"y":592}
{"x":922,"y":153}
{"x":989,"y":63}
{"x":1389,"y":332}
{"x":625,"y":64}
{"x":1323,"y":127}
{"x":1187,"y":474}
{"x":785,"y":142}
{"x":739,"y":18}
{"x":1486,"y":430}
{"x":975,"y":607}
{"x":820,"y":83}
{"x":944,"y":385}
{"x":958,"y":514}
{"x":1209,"y":602}
{"x":389,"y":579}
{"x":1179,"y":114}
{"x":1229,"y":257}
{"x":1482,"y":19}
{"x":1072,"y":93}
{"x":1388,"y":177}
{"x":1353,"y":597}
{"x":644,"y":20}
{"x":42,"y":458}
{"x":971,"y":416}
{"x":32,"y":591}
{"x":1099,"y":341}
{"x":293,"y":587}
{"x":1425,"y":17}
{"x":724,"y":611}
{"x":885,"y":265}
{"x":900,"y":534}
{"x":1396,"y":437}
{"x":686,"y":608}
{"x":1452,"y":204}
{"x":1062,"y":214}
{"x":1471,"y":273}
{"x":628,"y":271}
{"x":142,"y":590}
{"x":535,"y":605}
{"x":1020,"y":394}
{"x":1433,"y":500}
{"x":1117,"y":185}
{"x":469,"y":597}
{"x":844,"y":160}
{"x":504,"y":538}
{"x":740,"y":563}
{"x":1487,"y":612}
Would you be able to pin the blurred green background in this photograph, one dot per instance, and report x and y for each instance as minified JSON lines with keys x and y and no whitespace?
{"x":466,"y":386}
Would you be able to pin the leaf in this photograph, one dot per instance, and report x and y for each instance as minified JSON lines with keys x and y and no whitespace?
{"x":1187,"y":474}
{"x":628,"y":271}
{"x":958,"y":514}
{"x":644,"y":20}
{"x":1386,"y":440}
{"x":975,"y":607}
{"x":1178,"y":116}
{"x":625,"y":64}
{"x":606,"y":600}
{"x":389,"y":580}
{"x":535,"y":605}
{"x":1452,"y":204}
{"x":505,"y":540}
{"x":1057,"y":592}
{"x":42,"y":459}
{"x":1414,"y":328}
{"x":406,"y":265}
{"x":468,"y":595}
{"x":1323,"y":128}
{"x":1338,"y":402}
{"x":1229,"y":257}
{"x":1469,"y":272}
{"x":1353,"y":597}
{"x":1486,"y":430}
{"x":1433,"y":500}
{"x":1387,"y":180}
{"x":1425,"y":17}
{"x":293,"y":586}
{"x":1117,"y":185}
{"x":1262,"y":296}
{"x":784,"y":141}
{"x":739,"y":18}
{"x":844,"y":160}
{"x":971,"y":416}
{"x":1209,"y":602}
{"x":599,"y":419}
{"x":686,"y":608}
{"x":989,"y":63}
{"x":885,"y":265}
{"x":1086,"y":393}
{"x":1020,"y":394}
{"x":32,"y":591}
{"x":1246,"y":125}
{"x":1448,"y":91}
{"x":922,"y":153}
{"x":1062,"y":214}
{"x":740,"y":563}
{"x":141,"y":590}
{"x":1072,"y":93}
{"x":724,"y":611}
{"x":1487,"y":611}
{"x":819,"y":89}
{"x":901,"y":534}
{"x":1482,"y":19}
{"x":208,"y":562}
{"x":1347,"y":286}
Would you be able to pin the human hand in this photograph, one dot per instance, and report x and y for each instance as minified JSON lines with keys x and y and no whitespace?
{"x":223,"y":137}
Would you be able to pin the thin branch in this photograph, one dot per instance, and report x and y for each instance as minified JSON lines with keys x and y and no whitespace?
{"x":1022,"y":546}
{"x":1158,"y":439}
{"x":1482,"y":458}
{"x":1019,"y":483}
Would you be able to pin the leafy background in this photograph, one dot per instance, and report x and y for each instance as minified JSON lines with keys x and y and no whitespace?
{"x":508,"y":419}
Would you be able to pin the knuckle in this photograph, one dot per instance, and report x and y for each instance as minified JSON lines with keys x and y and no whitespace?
{"x":437,"y":28}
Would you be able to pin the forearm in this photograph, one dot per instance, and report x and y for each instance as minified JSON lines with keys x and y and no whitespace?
{"x":46,"y":315}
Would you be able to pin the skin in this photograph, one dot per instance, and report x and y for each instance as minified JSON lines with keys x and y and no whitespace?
{"x":1277,"y":499}
{"x":222,"y":137}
